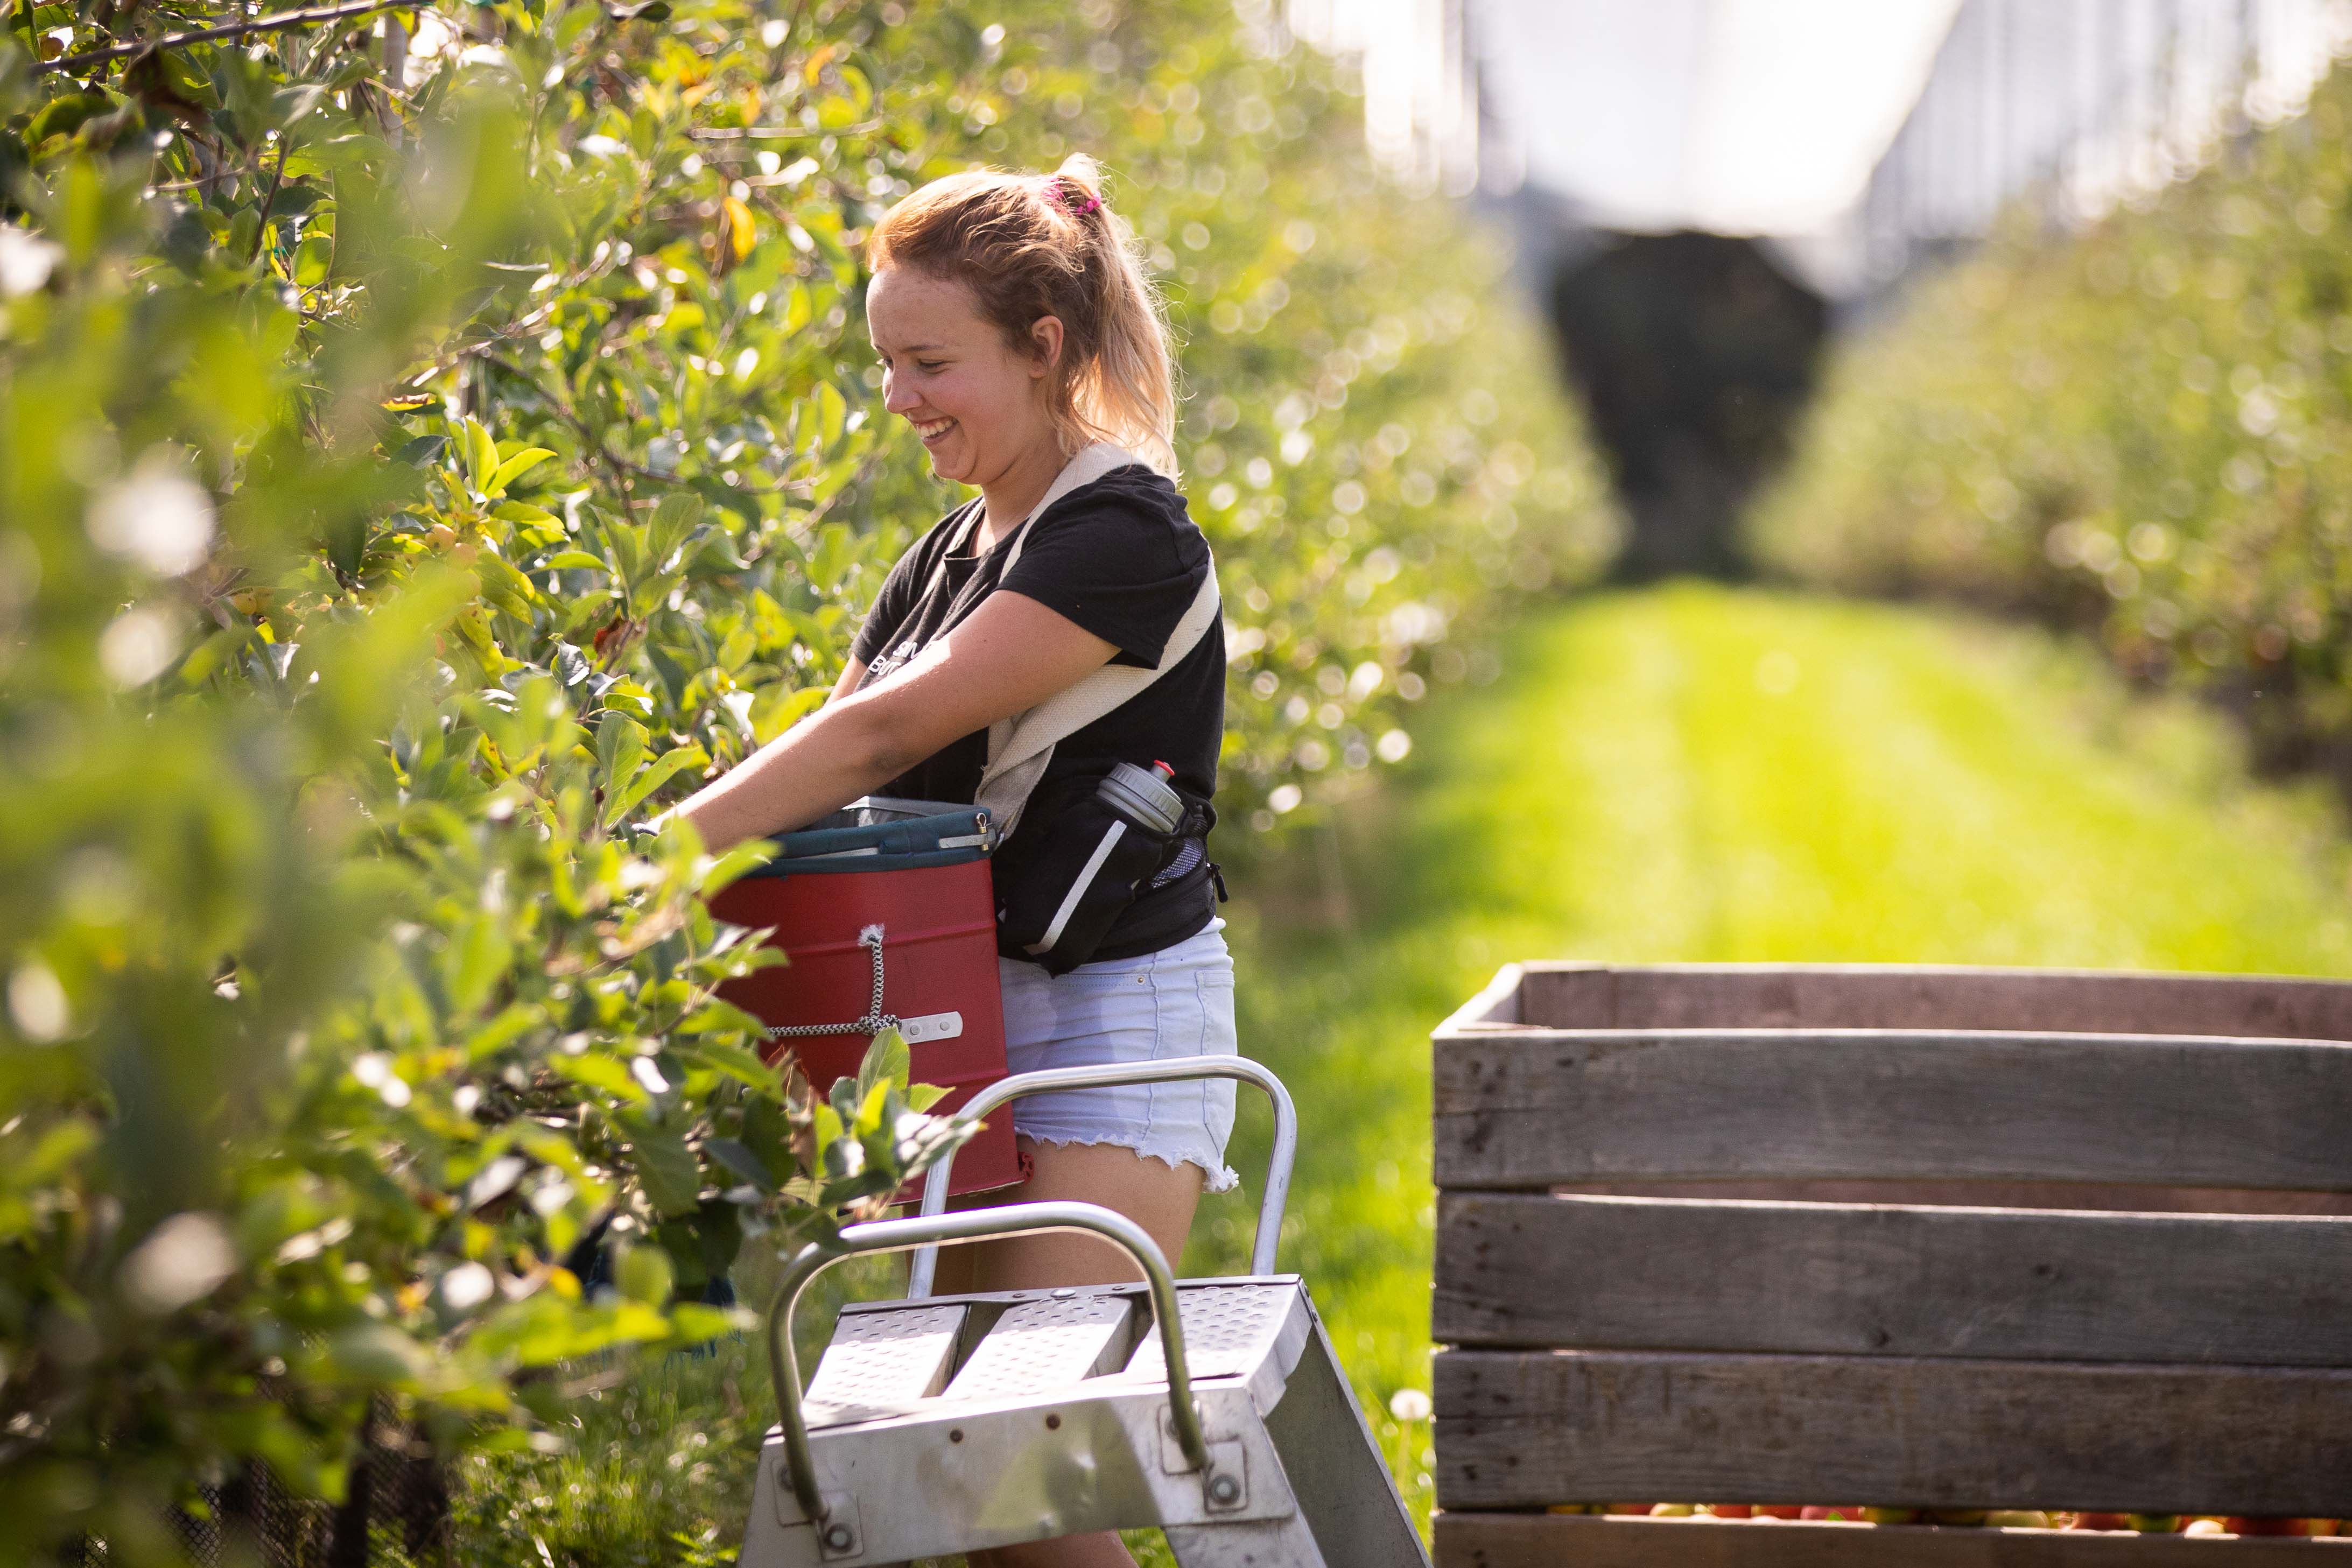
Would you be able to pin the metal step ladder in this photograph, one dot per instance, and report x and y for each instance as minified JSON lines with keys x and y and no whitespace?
{"x":1213,"y":1408}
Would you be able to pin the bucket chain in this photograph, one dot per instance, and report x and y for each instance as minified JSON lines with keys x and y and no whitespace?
{"x":875,"y":1022}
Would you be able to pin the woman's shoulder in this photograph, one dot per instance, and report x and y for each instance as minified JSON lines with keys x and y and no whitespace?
{"x":1138,"y":505}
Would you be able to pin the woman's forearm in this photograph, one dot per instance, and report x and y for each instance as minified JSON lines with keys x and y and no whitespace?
{"x":820,"y":765}
{"x":1007,"y":656}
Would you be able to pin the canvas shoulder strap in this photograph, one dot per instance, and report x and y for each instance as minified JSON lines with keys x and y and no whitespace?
{"x":1021,"y":747}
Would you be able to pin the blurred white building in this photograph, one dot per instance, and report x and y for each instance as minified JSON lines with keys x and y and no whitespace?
{"x":1861,"y":134}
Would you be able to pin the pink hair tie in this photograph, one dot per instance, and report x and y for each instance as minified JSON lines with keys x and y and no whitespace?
{"x":1074,"y":197}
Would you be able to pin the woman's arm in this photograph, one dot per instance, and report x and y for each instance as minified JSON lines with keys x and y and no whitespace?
{"x":853,"y":675}
{"x":1011,"y":654}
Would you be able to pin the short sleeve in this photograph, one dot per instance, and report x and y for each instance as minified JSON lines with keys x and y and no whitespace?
{"x":894,"y":602}
{"x":1118,"y":565}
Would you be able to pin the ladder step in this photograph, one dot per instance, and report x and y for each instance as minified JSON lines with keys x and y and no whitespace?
{"x":1229,"y":1331}
{"x":879,"y":1363}
{"x":1037,"y":1346}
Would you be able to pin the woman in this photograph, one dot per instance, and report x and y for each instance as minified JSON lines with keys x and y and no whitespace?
{"x":1021,"y":340}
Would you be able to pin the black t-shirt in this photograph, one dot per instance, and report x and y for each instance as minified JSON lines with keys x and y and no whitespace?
{"x":1121,"y":557}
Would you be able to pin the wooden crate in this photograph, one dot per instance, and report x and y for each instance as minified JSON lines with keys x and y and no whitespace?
{"x":1918,"y":1238}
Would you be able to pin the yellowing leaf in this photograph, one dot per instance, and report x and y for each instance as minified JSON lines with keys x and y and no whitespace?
{"x":738,"y":228}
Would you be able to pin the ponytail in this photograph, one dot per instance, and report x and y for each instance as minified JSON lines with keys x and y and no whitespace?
{"x":1029,"y":246}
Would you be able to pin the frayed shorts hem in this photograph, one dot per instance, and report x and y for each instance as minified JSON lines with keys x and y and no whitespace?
{"x":1218,"y":1177}
{"x":1172,"y":1004}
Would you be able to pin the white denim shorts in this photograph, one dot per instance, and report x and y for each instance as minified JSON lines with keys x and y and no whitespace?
{"x":1176,"y":1002}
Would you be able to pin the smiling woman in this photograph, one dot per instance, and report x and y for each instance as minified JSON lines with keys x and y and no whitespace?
{"x":1063,"y":626}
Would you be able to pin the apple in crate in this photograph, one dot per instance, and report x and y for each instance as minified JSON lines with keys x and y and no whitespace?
{"x":2099,"y":1522}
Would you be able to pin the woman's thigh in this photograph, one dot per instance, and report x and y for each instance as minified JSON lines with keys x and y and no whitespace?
{"x":1146,"y":1151}
{"x":1154,"y":1194}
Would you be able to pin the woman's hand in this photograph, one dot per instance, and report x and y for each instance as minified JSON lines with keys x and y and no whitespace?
{"x":1008,"y":656}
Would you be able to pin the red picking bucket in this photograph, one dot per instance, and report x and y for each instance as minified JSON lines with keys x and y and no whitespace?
{"x":885,"y":911}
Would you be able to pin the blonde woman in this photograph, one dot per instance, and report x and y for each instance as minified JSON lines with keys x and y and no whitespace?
{"x":1021,"y":340}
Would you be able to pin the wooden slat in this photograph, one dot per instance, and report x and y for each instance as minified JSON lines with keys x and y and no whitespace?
{"x":1541,"y":1107}
{"x":1519,"y":1429}
{"x":2115,"y":1197}
{"x":1848,"y":1279}
{"x":1585,"y":1541}
{"x":1889,"y":996}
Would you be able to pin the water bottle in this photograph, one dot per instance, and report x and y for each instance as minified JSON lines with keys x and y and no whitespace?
{"x":1143,"y":798}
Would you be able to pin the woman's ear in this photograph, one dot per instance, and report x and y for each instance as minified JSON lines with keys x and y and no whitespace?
{"x":1044,"y":344}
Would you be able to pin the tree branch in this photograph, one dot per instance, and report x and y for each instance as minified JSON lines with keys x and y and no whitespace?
{"x":277,"y":22}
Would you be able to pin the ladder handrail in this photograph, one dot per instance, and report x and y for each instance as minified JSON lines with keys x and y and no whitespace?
{"x":1279,"y":1162}
{"x":972,"y":1224}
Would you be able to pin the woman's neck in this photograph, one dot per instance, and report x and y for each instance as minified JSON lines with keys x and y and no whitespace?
{"x":1015,"y":494}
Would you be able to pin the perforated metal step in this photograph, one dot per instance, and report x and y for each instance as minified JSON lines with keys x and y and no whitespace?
{"x":960,"y":1423}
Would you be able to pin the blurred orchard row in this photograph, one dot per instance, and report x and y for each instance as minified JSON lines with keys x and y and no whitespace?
{"x":2144,"y":429}
{"x":431,"y":438}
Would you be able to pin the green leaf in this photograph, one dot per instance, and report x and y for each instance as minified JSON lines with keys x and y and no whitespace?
{"x":425,"y":451}
{"x":514,"y":468}
{"x":744,"y":1066}
{"x":478,"y":959}
{"x":887,"y":1061}
{"x":620,"y":747}
{"x":665,"y":1167}
{"x":743,"y":858}
{"x":566,"y":560}
{"x":665,"y":767}
{"x":739,"y":1159}
{"x":518,"y":1020}
{"x":598,"y":1070}
{"x":377,"y":1356}
{"x":481,"y":454}
{"x":691,"y":1322}
{"x":923,"y":1096}
{"x":645,"y":1274}
{"x":871,"y":1107}
{"x":675,"y":518}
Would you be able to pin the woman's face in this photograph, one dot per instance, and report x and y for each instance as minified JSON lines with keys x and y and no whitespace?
{"x":977,"y":403}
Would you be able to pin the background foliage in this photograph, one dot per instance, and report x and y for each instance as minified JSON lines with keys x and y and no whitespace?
{"x":406,"y":476}
{"x":2145,"y":429}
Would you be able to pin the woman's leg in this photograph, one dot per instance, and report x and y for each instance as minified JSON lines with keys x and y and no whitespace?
{"x":1156,"y":1196}
{"x":1083,"y":1144}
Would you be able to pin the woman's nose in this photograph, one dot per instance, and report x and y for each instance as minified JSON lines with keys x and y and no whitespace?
{"x":894,"y":398}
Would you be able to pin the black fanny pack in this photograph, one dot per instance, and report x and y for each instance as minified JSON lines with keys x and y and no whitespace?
{"x":1078,"y":864}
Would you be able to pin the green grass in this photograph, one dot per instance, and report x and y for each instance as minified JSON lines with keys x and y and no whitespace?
{"x":1687,"y":773}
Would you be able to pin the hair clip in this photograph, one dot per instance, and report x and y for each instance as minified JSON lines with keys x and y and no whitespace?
{"x":1074,"y":197}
